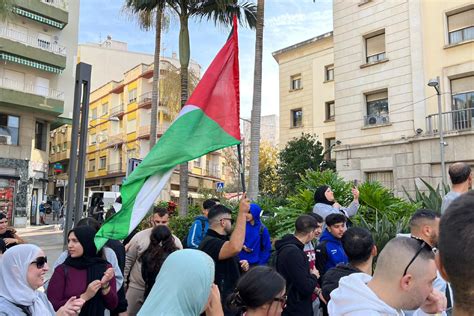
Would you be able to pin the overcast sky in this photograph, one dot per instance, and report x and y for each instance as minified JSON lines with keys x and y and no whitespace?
{"x":286,"y":23}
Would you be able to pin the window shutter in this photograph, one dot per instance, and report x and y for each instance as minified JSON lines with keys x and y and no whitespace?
{"x":461,"y":20}
{"x":375,"y":45}
{"x":465,"y":84}
{"x":377,"y":96}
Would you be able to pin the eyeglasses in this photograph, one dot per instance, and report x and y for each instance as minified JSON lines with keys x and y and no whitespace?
{"x":282,"y":300}
{"x":40,"y":262}
{"x":229,"y":219}
{"x":424,"y":246}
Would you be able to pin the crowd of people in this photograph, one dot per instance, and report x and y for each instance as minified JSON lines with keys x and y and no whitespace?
{"x":326,"y":267}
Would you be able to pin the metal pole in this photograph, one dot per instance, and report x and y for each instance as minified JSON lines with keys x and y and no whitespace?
{"x":86,"y":78}
{"x":441,"y":133}
{"x":83,"y":72}
{"x":241,"y":165}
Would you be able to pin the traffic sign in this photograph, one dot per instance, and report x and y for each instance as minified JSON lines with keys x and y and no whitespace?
{"x":220,"y":186}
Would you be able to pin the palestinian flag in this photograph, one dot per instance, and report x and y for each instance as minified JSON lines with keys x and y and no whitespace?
{"x":209,"y":121}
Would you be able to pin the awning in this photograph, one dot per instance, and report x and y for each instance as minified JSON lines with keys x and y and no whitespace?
{"x":29,"y":63}
{"x":194,"y":195}
{"x":38,"y":18}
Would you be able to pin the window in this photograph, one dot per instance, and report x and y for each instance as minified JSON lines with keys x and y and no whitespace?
{"x":330,"y":111}
{"x":64,"y":146}
{"x":102,"y":162}
{"x":105,"y":108}
{"x":51,"y":148}
{"x":94,"y":113}
{"x":40,"y":135}
{"x":385,"y":178}
{"x":297,"y":118}
{"x":295,"y":82}
{"x":462,"y":90}
{"x":461,"y":26}
{"x":375,"y":48}
{"x":131,"y":153}
{"x":9,"y":128}
{"x":329,"y":144}
{"x":197,"y":163}
{"x":92,"y":165}
{"x":329,"y":73}
{"x":93,"y":139}
{"x":131,"y":126}
{"x":132,"y":95}
{"x":377,"y":108}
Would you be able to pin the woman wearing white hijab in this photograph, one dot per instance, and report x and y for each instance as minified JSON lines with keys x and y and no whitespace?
{"x":184,"y":287}
{"x":22,"y":272}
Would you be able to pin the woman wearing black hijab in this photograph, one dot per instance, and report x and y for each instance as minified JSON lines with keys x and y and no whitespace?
{"x":326,"y":203}
{"x":84,"y":274}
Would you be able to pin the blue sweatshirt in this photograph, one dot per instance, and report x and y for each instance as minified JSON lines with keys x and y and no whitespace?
{"x":334,"y":250}
{"x":257,"y":238}
{"x":196,"y":232}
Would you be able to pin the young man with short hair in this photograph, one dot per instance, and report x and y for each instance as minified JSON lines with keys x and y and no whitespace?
{"x":292,"y":263}
{"x":223,"y":249}
{"x":403,"y":280}
{"x":200,"y":225}
{"x":456,"y":255}
{"x":330,"y":252}
{"x":360,"y":249}
{"x":133,"y":267}
{"x":461,"y":178}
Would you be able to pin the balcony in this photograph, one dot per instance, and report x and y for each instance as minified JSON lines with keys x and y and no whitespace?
{"x":144,"y":131}
{"x":213,"y":172}
{"x":116,"y":140}
{"x":117,"y":110}
{"x":50,"y":12}
{"x":31,"y":96}
{"x":144,"y":101}
{"x":115,"y":168}
{"x":32,"y":41}
{"x":376,"y":120}
{"x":453,"y":121}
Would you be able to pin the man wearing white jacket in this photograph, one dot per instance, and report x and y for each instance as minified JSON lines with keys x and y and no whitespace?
{"x":403,"y":280}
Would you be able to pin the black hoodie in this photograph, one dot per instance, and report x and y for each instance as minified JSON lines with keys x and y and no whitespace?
{"x":332,"y":276}
{"x":292,"y":263}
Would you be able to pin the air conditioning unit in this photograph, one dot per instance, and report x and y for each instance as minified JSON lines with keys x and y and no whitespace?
{"x":377,"y":120}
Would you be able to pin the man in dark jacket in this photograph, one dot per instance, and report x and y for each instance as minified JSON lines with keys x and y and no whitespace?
{"x":360,"y":249}
{"x":292,"y":263}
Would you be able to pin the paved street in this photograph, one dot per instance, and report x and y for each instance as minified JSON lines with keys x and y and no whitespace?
{"x":48,"y":237}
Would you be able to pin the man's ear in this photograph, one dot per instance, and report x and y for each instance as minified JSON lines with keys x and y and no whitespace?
{"x":406,"y":281}
{"x":440,"y":267}
{"x":374,"y":251}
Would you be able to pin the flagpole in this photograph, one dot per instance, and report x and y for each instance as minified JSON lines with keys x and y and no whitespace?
{"x":242,"y":175}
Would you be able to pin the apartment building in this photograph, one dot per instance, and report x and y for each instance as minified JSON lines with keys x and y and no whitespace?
{"x":38,"y":43}
{"x":120,"y":124}
{"x":386,"y":117}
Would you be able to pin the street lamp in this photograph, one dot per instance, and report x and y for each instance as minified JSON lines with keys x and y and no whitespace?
{"x":324,"y":162}
{"x":435,"y":84}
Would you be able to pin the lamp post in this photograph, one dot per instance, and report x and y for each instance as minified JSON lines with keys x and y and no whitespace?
{"x":435,"y":84}
{"x":321,"y":165}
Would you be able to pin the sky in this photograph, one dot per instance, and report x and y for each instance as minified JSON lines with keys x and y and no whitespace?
{"x":286,"y":23}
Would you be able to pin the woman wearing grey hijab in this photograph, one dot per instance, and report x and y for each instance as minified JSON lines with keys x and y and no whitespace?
{"x":22,"y":272}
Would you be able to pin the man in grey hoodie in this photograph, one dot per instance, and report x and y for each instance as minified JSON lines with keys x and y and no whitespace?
{"x":403,"y":280}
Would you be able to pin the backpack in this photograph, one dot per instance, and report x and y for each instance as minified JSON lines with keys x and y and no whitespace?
{"x":321,"y":254}
{"x":203,"y":226}
{"x":272,"y":262}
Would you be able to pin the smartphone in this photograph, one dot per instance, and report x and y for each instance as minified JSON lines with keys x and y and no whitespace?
{"x":356,"y":182}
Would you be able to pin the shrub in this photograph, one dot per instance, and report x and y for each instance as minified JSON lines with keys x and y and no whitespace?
{"x":431,"y":200}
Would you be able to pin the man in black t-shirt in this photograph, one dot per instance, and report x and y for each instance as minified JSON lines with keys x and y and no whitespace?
{"x":224,"y":250}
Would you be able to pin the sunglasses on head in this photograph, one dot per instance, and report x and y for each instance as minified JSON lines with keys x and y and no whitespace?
{"x":282,"y":300}
{"x":40,"y":262}
{"x":423,"y":246}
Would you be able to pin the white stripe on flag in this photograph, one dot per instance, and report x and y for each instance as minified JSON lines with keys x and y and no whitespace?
{"x":147,"y":196}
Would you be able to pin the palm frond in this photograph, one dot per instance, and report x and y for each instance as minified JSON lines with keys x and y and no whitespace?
{"x":222,"y":11}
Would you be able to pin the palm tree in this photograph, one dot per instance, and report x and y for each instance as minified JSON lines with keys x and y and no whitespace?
{"x":257,"y":105}
{"x":150,"y":15}
{"x":219,"y":11}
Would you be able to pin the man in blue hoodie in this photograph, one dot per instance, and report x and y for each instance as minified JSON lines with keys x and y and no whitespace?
{"x":200,"y":225}
{"x":257,"y":244}
{"x":330,"y":252}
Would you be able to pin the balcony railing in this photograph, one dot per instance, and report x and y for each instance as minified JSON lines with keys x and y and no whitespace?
{"x":115,"y":168}
{"x":375,"y":120}
{"x":144,"y":98}
{"x":144,"y":131}
{"x":116,"y":110}
{"x":31,"y":88}
{"x":33,"y":41}
{"x":213,"y":172}
{"x":61,"y":4}
{"x":453,"y":121}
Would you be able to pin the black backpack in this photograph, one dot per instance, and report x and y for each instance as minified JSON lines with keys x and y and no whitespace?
{"x":203,"y":226}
